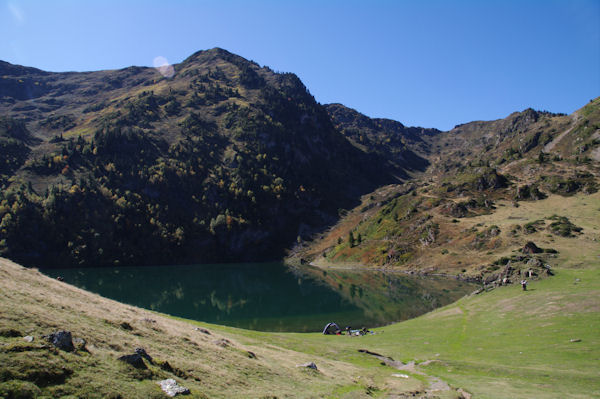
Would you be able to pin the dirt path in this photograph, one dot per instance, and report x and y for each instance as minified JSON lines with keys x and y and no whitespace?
{"x":595,"y":154}
{"x":550,"y":146}
{"x":435,"y":384}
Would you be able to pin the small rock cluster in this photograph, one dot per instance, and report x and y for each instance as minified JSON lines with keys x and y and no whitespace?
{"x":171,"y":388}
{"x":530,"y":265}
{"x":531,"y":248}
{"x":222,"y":342}
{"x":134,"y":360}
{"x":137,"y":358}
{"x":142,"y":353}
{"x":309,"y":365}
{"x":62,"y":339}
{"x":202,"y":330}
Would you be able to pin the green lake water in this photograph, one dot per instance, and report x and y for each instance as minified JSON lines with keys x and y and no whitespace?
{"x":270,"y":296}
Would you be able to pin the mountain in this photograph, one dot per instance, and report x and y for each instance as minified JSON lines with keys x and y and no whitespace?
{"x":390,"y":140}
{"x":219,"y":160}
{"x":456,"y":218}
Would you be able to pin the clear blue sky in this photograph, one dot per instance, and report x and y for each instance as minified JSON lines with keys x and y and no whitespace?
{"x":426,"y":63}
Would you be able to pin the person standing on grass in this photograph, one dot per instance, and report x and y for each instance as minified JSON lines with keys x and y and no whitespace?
{"x":524,"y":285}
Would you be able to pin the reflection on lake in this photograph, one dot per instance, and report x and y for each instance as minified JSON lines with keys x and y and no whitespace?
{"x":269,"y":296}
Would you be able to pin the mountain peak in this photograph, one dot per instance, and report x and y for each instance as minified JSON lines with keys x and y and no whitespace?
{"x":216,"y":53}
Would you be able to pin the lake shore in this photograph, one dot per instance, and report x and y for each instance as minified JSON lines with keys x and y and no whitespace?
{"x":269,"y":296}
{"x":490,"y":332}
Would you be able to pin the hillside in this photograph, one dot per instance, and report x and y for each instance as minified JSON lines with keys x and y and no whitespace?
{"x":429,"y":224}
{"x":504,"y":343}
{"x":390,"y":140}
{"x":225,"y":160}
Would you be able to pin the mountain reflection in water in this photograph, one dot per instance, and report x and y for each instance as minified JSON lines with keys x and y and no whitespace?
{"x":270,"y":296}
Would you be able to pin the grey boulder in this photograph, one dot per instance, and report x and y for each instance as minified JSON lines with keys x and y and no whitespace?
{"x":62,"y":340}
{"x":172,"y":388}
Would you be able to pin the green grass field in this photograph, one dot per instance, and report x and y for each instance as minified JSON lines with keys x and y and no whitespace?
{"x":501,"y":344}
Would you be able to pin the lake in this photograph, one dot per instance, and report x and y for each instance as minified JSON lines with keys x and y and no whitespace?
{"x":270,"y":296}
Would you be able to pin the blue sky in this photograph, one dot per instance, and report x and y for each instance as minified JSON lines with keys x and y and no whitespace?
{"x":425,"y":63}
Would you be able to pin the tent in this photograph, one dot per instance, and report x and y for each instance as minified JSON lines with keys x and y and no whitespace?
{"x":331,"y":328}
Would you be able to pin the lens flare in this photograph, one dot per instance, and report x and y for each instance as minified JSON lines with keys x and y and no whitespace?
{"x":162,"y":65}
{"x":17,"y":13}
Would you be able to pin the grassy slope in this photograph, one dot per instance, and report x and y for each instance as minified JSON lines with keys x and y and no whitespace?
{"x":35,"y":305}
{"x":427,"y":231}
{"x":501,"y":344}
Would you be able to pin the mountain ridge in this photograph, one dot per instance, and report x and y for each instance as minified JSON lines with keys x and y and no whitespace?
{"x":426,"y":225}
{"x":230,"y":161}
{"x":224,"y":161}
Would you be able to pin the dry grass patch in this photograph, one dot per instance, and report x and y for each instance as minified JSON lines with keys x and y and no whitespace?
{"x":36,"y":305}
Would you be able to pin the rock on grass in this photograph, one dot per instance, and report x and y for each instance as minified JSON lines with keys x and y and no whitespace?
{"x":172,"y":388}
{"x":309,"y":365}
{"x":134,"y":360}
{"x":62,"y":340}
